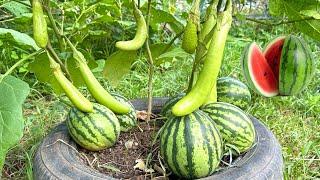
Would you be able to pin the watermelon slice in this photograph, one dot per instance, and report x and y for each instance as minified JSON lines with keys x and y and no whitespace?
{"x":273,"y":54}
{"x":284,"y":68}
{"x":258,"y":73}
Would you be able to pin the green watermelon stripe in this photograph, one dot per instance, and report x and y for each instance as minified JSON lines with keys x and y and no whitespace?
{"x":188,"y":138}
{"x":114,"y":127}
{"x":295,"y":71}
{"x":221,"y":107}
{"x":87,"y":127}
{"x":166,"y":139}
{"x":72,"y":132}
{"x":101,"y":131}
{"x":233,"y":129}
{"x":165,"y":126}
{"x":216,"y":136}
{"x":175,"y":148}
{"x":284,"y":59}
{"x":308,"y":68}
{"x":234,"y":95}
{"x":206,"y":140}
{"x":82,"y":134}
{"x":222,"y":113}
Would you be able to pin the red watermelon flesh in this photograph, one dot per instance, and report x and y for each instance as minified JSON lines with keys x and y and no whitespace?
{"x":262,"y":74}
{"x":273,"y":55}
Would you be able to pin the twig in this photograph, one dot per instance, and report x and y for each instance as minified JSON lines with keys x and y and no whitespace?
{"x":151,"y":66}
{"x":172,"y":41}
{"x":268,"y":23}
{"x":54,"y":25}
{"x":19,"y":63}
{"x":56,"y":57}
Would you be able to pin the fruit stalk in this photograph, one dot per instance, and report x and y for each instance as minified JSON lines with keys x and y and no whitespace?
{"x":209,"y":73}
{"x":74,"y":95}
{"x":97,"y":91}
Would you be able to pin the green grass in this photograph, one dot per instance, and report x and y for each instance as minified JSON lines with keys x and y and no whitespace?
{"x":295,"y":121}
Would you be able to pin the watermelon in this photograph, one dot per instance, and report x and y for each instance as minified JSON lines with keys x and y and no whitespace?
{"x":235,"y":126}
{"x":166,"y":109}
{"x":296,"y":66}
{"x":285,"y":67}
{"x":191,"y":145}
{"x":129,"y":120}
{"x":258,"y":73}
{"x":93,"y":131}
{"x":233,"y":91}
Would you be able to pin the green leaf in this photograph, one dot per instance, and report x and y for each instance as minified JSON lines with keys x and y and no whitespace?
{"x":160,"y":16}
{"x":117,"y":65}
{"x":16,"y":8}
{"x":276,"y":7}
{"x":41,"y":67}
{"x":14,"y":92}
{"x":159,"y":56}
{"x":17,"y":38}
{"x":311,"y":13}
{"x":309,"y":27}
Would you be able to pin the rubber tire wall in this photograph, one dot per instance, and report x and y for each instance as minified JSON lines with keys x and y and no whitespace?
{"x":57,"y":158}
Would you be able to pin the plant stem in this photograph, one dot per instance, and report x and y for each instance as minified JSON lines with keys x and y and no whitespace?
{"x":151,"y":66}
{"x":56,"y":58}
{"x":19,"y":63}
{"x":54,"y":26}
{"x":268,"y":23}
{"x":172,"y":41}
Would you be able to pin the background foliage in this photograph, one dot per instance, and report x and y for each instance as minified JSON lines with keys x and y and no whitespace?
{"x":95,"y":26}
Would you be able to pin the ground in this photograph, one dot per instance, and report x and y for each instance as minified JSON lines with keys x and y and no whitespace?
{"x":295,"y":121}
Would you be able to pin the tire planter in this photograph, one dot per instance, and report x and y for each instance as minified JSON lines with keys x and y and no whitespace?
{"x":56,"y":157}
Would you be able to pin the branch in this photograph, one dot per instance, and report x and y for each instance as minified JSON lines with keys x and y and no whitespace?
{"x":268,"y":23}
{"x":19,"y":63}
{"x":151,"y":66}
{"x":172,"y":41}
{"x":54,"y":25}
{"x":57,"y":59}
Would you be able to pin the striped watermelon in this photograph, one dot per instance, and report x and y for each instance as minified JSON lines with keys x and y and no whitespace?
{"x":285,"y":67}
{"x":93,"y":131}
{"x":235,"y":126}
{"x":296,"y":66}
{"x":191,"y":145}
{"x":166,"y":109}
{"x":233,"y":91}
{"x":127,"y":121}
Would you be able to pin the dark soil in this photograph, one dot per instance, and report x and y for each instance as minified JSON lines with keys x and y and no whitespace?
{"x":133,"y":146}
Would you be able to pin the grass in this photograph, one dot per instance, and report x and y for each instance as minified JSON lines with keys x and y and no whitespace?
{"x":295,"y":121}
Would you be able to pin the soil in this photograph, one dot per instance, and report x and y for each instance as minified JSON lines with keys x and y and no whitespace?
{"x":132,"y":149}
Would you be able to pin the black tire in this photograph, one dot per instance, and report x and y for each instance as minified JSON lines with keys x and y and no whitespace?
{"x":57,"y":158}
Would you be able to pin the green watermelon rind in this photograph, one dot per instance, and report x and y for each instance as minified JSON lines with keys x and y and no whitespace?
{"x":127,"y":121}
{"x":93,"y":131}
{"x":297,"y":66}
{"x":233,"y":91}
{"x":234,"y":125}
{"x":191,"y":145}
